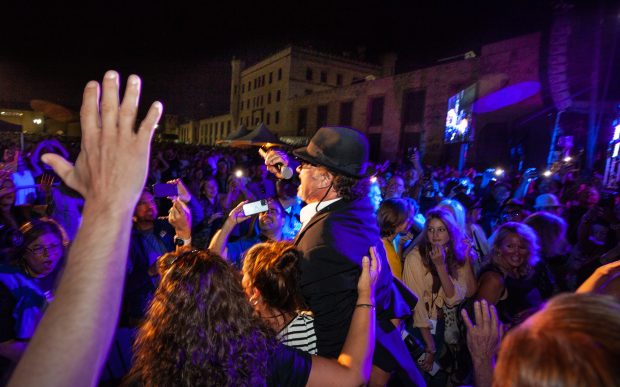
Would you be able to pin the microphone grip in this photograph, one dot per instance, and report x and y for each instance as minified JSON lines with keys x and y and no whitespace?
{"x":284,"y":170}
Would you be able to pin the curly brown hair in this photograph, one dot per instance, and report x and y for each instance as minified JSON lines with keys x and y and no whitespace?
{"x":200,"y":329}
{"x":351,"y":188}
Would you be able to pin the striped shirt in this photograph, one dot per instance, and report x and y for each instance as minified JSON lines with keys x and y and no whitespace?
{"x":299,"y":333}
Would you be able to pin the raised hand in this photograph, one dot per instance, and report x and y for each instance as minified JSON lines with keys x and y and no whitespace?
{"x":274,"y":157}
{"x":184,"y":194}
{"x":370,"y":274}
{"x":113,"y":161}
{"x":237,"y":216}
{"x":484,"y":337}
{"x":438,"y":255}
{"x":46,"y":183}
{"x":180,"y":217}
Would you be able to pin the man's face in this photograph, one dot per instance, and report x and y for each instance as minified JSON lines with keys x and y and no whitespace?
{"x":272,"y":219}
{"x":7,"y":194}
{"x":512,"y":214}
{"x":395,"y":187}
{"x":501,"y":193}
{"x":313,"y":182}
{"x":146,"y":210}
{"x":210,"y":188}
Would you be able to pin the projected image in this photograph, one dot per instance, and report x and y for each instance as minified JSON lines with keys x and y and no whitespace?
{"x":459,"y":119}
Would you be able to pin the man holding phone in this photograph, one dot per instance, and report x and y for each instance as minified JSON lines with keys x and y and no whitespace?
{"x":270,"y":223}
{"x":152,"y":237}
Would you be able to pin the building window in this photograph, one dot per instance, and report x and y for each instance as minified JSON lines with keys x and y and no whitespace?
{"x":262,"y":80}
{"x":247,"y":104}
{"x":270,"y":77}
{"x":321,"y":115}
{"x":308,"y":91}
{"x":346,"y":113}
{"x":235,"y":91}
{"x":268,"y":118}
{"x":279,"y":74}
{"x":308,"y":74}
{"x":278,"y":96}
{"x":339,"y":79}
{"x":302,"y":121}
{"x":249,"y":85}
{"x":376,"y":111}
{"x":277,"y":117}
{"x":374,"y":144}
{"x":323,"y":76}
{"x":413,"y":106}
{"x":268,"y":98}
{"x":243,"y":88}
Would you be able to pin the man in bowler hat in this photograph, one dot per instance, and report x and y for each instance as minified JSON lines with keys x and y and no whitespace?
{"x":338,"y":229}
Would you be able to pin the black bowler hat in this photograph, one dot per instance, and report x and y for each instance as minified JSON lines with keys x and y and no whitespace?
{"x":340,"y":149}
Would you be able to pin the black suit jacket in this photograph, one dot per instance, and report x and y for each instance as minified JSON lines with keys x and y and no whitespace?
{"x":333,"y":244}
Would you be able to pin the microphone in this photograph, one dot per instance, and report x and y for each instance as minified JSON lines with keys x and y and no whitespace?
{"x":284,"y":170}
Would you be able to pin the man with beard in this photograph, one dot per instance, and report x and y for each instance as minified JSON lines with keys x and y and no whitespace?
{"x":151,"y":237}
{"x":270,"y":225}
{"x":338,"y":229}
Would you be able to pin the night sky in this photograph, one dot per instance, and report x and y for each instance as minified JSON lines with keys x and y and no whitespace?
{"x":183,"y":52}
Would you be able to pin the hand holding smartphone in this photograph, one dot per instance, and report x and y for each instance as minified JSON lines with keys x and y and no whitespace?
{"x":255,"y":207}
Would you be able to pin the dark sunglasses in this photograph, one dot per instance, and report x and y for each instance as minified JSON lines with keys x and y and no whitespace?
{"x":304,"y":163}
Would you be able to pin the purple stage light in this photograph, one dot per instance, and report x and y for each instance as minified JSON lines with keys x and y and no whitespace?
{"x":507,"y":96}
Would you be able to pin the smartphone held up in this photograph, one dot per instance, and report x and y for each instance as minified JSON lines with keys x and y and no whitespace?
{"x":162,"y":190}
{"x":255,"y":207}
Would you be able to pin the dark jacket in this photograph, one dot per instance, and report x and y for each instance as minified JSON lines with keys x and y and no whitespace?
{"x":333,"y":244}
{"x":139,"y":285}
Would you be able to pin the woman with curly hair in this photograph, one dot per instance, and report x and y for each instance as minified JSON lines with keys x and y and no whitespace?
{"x":271,"y":281}
{"x":435,"y":270}
{"x":508,"y":281}
{"x":201,"y":330}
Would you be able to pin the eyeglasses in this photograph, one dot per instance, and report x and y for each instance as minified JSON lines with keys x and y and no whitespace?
{"x":306,"y":165}
{"x":49,"y":249}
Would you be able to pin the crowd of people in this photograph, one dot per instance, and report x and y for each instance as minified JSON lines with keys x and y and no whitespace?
{"x":397,"y":273}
